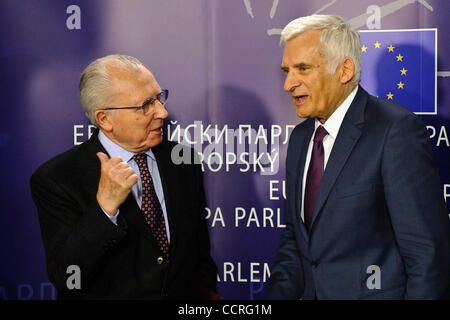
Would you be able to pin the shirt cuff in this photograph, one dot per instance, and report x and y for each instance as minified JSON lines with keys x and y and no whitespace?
{"x":113,"y":219}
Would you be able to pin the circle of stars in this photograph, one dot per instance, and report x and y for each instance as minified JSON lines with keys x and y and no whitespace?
{"x":390,"y":48}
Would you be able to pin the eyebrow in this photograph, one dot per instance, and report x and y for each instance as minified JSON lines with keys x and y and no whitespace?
{"x":160,"y":91}
{"x":302,"y":65}
{"x":297,"y":65}
{"x":149,"y":98}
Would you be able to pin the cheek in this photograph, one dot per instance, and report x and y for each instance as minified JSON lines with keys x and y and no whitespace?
{"x":138,"y":122}
{"x":319,"y":89}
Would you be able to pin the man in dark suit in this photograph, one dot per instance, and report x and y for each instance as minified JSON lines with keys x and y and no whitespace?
{"x":366,"y":218}
{"x":116,"y":212}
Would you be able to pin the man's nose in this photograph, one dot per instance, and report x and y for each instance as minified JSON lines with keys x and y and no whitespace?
{"x":161,"y":111}
{"x":291,"y":82}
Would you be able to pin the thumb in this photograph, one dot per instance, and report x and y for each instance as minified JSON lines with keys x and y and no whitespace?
{"x":102,"y":157}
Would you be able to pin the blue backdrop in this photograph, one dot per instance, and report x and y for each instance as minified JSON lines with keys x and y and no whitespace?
{"x":221,"y":61}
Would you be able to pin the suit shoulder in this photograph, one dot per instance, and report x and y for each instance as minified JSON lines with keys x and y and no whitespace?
{"x":383,"y":110}
{"x":383,"y":116}
{"x":61,"y":162}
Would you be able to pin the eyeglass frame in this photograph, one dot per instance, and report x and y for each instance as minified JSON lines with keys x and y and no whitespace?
{"x":149,"y":101}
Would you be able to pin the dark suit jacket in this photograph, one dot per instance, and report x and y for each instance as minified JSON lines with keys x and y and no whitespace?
{"x":380,"y":203}
{"x":121,"y":261}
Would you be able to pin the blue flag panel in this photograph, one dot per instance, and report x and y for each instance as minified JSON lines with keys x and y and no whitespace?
{"x":400,"y":65}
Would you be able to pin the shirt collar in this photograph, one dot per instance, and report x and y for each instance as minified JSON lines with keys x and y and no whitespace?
{"x":334,"y":122}
{"x":115,"y":150}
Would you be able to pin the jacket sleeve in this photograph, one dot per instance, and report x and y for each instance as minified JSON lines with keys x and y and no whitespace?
{"x":72,"y":235}
{"x":286,"y":280}
{"x":287,"y":275}
{"x":417,"y":209}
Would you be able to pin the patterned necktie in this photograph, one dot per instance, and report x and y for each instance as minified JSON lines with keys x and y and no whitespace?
{"x":315,"y":173}
{"x":150,"y":206}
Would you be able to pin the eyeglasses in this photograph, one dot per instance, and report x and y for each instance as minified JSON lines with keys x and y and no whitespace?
{"x":148,"y":104}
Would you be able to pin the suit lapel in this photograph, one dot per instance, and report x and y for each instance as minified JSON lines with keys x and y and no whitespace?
{"x":90,"y":164}
{"x":162,"y":154}
{"x":349,"y":134}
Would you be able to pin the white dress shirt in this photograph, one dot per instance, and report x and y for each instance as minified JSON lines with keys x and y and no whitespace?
{"x":332,"y":125}
{"x":115,"y":150}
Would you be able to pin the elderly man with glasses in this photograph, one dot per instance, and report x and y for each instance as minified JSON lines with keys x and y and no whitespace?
{"x":119,"y":219}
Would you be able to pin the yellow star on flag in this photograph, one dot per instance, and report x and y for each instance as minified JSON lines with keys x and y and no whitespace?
{"x":391,"y":48}
{"x":390,"y":95}
{"x":400,"y":85}
{"x":399,"y":57}
{"x":377,"y":44}
{"x":403,"y":71}
{"x":363,"y":48}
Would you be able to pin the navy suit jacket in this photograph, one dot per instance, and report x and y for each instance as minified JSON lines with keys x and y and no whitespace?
{"x":380,"y":207}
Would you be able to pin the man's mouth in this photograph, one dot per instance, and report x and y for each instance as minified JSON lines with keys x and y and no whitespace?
{"x":300,"y":99}
{"x":158,"y":130}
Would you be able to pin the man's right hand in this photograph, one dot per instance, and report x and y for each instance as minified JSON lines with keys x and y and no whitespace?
{"x":116,"y":180}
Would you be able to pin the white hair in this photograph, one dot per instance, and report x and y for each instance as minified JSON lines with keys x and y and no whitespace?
{"x":339,"y":40}
{"x":94,"y":87}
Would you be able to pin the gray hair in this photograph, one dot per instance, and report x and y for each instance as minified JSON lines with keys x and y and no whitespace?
{"x":339,"y":40}
{"x":94,"y":87}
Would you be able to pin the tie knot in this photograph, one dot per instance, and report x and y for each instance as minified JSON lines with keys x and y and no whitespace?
{"x":140,"y":158}
{"x":320,"y":134}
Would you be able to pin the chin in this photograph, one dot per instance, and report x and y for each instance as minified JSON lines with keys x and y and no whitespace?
{"x":154,"y":142}
{"x":305,"y":111}
{"x":302,"y":114}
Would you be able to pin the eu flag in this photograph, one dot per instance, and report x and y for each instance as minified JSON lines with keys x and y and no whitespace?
{"x":400,"y":66}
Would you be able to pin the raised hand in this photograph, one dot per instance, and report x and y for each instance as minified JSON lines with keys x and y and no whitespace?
{"x":116,"y":180}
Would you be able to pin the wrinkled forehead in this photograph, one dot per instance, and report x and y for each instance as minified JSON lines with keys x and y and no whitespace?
{"x":304,"y":46}
{"x":140,"y":84}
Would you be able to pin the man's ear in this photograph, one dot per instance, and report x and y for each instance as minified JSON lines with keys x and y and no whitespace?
{"x":347,"y":70}
{"x":103,"y":120}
